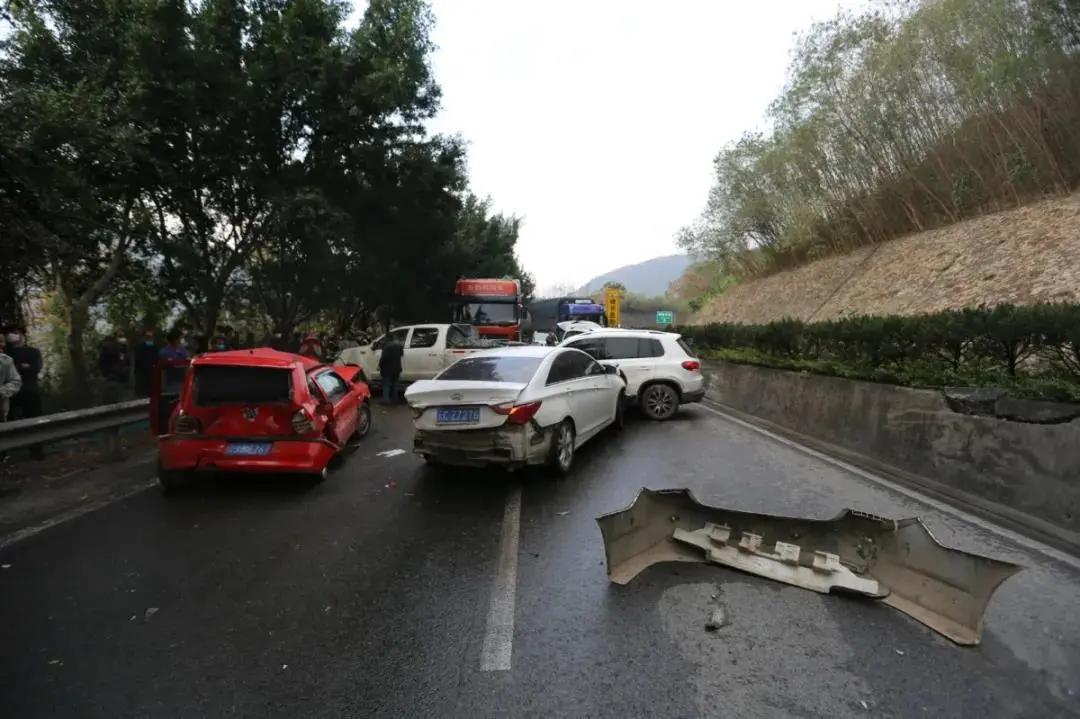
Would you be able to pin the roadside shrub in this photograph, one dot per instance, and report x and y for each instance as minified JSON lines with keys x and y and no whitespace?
{"x":1034,"y":349}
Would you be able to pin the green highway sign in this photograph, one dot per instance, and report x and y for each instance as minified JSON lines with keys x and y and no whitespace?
{"x":665,"y":317}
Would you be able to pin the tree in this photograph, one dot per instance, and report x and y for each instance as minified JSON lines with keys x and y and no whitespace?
{"x":76,"y":163}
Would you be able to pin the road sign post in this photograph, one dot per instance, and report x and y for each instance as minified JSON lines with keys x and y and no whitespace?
{"x":665,"y":317}
{"x":612,"y":304}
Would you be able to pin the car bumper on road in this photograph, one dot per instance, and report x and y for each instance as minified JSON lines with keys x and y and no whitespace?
{"x":507,"y":445}
{"x":208,"y":454}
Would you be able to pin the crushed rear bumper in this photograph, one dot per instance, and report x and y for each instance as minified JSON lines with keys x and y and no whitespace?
{"x":199,"y":453}
{"x":508,"y":445}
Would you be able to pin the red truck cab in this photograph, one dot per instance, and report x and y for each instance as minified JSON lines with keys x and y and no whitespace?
{"x":493,"y":307}
{"x":259,"y":410}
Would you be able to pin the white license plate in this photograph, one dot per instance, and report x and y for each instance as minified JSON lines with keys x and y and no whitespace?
{"x":457,"y":415}
{"x":248,"y":449}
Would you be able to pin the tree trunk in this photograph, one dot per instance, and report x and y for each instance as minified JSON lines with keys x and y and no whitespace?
{"x":78,"y":318}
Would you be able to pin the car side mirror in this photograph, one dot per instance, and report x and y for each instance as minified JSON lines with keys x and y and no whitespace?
{"x":611,"y":369}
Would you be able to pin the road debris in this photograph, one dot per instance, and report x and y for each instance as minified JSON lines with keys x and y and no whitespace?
{"x":562,"y":514}
{"x":150,"y":612}
{"x":390,"y":453}
{"x":56,"y":662}
{"x":5,"y":566}
{"x":897,"y":561}
{"x":899,"y":651}
{"x":717,"y":619}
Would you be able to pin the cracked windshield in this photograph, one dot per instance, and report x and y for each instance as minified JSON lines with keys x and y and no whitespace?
{"x":475,"y":358}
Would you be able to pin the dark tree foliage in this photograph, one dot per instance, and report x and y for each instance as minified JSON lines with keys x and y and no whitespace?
{"x":233,"y":158}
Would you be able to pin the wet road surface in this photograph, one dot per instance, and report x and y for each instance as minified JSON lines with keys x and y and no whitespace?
{"x":379,"y":592}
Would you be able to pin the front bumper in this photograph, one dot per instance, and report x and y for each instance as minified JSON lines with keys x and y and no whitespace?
{"x":196,"y":453}
{"x":510,"y":446}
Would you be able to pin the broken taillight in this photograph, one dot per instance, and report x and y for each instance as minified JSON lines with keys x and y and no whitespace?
{"x":517,"y":413}
{"x":186,"y":424}
{"x":691,"y":365}
{"x":302,"y":423}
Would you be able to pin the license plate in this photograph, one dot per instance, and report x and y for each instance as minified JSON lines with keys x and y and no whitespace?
{"x":457,"y":415}
{"x":248,"y":449}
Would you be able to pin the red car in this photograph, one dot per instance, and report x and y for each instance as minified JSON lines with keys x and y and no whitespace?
{"x":258,"y":410}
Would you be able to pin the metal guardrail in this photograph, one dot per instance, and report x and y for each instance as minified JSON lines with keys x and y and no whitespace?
{"x":67,"y":425}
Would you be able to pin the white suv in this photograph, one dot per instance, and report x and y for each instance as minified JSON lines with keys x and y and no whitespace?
{"x":660,"y":369}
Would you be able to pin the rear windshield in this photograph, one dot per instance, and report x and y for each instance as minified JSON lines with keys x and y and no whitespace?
{"x":242,"y":385}
{"x":493,"y":369}
{"x":685,"y":347}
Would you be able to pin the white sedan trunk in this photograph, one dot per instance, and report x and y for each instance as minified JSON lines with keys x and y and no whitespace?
{"x":454,"y":405}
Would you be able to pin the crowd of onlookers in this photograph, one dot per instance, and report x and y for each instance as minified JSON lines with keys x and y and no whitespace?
{"x":124,"y":366}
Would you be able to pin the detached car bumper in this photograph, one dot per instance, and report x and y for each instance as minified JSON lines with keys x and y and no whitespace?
{"x":185,"y":453}
{"x":509,"y":445}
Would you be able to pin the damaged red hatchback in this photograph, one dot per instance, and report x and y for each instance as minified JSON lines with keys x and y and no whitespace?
{"x":261,"y":410}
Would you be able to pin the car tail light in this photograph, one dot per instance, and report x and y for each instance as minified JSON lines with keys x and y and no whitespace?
{"x":691,"y":365}
{"x":302,"y":423}
{"x":517,"y":413}
{"x":186,"y":424}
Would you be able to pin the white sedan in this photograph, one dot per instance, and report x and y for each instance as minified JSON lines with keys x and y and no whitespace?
{"x":515,"y":406}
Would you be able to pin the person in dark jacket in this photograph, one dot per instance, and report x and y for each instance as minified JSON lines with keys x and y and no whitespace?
{"x":27,"y":403}
{"x":390,"y":369}
{"x":146,"y":354}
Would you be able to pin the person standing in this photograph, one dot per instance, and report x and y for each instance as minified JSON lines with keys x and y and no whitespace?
{"x":10,"y":381}
{"x":390,"y":369}
{"x":146,"y":355}
{"x":114,"y":363}
{"x":27,"y":403}
{"x":175,"y":350}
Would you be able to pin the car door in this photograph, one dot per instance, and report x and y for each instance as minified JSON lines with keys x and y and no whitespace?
{"x":636,"y":366}
{"x":400,"y":335}
{"x":423,"y":356}
{"x":582,"y":390}
{"x":336,"y":391}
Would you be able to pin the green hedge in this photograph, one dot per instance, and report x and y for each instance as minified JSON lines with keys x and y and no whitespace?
{"x":1034,"y":349}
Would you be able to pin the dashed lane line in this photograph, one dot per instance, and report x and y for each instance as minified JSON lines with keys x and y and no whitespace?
{"x":496,"y":653}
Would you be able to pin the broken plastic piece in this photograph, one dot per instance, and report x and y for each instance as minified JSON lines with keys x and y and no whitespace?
{"x":896,"y":561}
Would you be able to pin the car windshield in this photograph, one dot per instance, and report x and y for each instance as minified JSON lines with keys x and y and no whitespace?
{"x":493,"y":369}
{"x":241,"y":385}
{"x":488,"y":313}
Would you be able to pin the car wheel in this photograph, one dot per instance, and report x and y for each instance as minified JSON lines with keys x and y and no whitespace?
{"x":562,"y":447}
{"x":363,"y":421}
{"x":659,"y":402}
{"x":620,"y":411}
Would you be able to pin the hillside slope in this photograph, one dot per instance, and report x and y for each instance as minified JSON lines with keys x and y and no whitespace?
{"x":1030,"y":254}
{"x":650,"y":277}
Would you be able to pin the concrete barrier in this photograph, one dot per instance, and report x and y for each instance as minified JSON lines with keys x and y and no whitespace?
{"x":1027,"y":473}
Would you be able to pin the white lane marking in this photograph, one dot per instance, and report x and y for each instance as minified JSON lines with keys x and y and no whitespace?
{"x":27,"y":532}
{"x":1031,"y":544}
{"x":390,"y":453}
{"x":499,"y":636}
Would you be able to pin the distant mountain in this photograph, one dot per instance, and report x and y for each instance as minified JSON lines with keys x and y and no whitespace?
{"x":650,"y":277}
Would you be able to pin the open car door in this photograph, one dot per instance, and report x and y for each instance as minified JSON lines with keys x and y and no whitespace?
{"x":165,"y":392}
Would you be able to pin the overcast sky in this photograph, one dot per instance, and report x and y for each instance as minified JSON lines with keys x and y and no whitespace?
{"x":596,"y":121}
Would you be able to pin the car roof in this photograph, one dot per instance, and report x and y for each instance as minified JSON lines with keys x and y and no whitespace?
{"x":256,"y":357}
{"x":606,"y":331}
{"x":519,"y":351}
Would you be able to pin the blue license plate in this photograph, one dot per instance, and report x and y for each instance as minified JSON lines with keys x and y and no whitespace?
{"x":457,"y":415}
{"x":248,"y":449}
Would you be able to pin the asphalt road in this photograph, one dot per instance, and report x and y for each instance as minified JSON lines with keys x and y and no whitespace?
{"x":379,"y":593}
